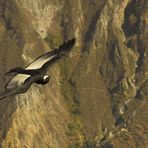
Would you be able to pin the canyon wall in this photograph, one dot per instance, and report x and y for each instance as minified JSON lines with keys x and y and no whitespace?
{"x":97,"y":95}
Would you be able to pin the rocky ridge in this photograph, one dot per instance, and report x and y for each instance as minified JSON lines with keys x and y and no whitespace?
{"x":98,"y":94}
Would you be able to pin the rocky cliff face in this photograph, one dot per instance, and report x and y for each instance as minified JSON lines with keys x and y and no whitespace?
{"x":97,"y":96}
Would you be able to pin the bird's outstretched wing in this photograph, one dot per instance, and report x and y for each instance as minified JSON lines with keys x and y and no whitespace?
{"x":58,"y":52}
{"x":44,"y":60}
{"x":6,"y":93}
{"x":9,"y":92}
{"x":14,"y":71}
{"x":36,"y":64}
{"x":17,"y":81}
{"x":19,"y":84}
{"x":24,"y":78}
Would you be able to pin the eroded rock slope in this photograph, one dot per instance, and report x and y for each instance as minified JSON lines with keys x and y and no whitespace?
{"x":97,"y":96}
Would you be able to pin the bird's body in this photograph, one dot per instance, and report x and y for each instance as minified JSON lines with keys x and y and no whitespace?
{"x":35,"y":72}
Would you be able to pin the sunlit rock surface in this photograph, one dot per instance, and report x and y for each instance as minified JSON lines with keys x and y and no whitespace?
{"x":97,"y":96}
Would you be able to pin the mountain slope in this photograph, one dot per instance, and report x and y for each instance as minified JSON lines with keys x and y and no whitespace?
{"x":97,"y":96}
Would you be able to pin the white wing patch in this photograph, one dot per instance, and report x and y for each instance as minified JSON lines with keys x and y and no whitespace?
{"x":17,"y":81}
{"x":39,"y":63}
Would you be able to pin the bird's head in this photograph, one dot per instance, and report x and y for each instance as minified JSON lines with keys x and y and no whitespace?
{"x":45,"y":79}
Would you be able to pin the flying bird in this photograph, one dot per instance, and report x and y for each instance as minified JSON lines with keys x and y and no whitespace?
{"x":35,"y":72}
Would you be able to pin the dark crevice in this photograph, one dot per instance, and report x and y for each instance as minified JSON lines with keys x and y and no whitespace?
{"x":132,"y":29}
{"x":119,"y":121}
{"x":92,"y":27}
{"x":140,"y":61}
{"x":90,"y":32}
{"x":131,"y":20}
{"x":88,"y":37}
{"x":142,"y":91}
{"x":107,"y":145}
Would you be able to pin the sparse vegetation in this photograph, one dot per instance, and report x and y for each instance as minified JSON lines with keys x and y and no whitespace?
{"x":75,"y":126}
